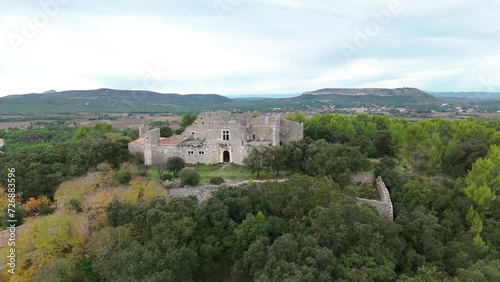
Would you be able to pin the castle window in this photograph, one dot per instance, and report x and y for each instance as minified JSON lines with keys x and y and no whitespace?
{"x":190,"y":152}
{"x":201,"y":152}
{"x":225,"y":135}
{"x":253,"y":137}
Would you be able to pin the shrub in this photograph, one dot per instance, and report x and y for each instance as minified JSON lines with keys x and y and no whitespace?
{"x":216,"y":180}
{"x":167,"y":176}
{"x":123,"y":177}
{"x":104,"y":167}
{"x":190,"y":177}
{"x":75,"y":205}
{"x":38,"y":206}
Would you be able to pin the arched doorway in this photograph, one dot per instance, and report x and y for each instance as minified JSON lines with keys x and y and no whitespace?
{"x":226,"y":157}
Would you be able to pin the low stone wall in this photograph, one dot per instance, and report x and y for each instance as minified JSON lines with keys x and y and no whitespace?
{"x":203,"y":192}
{"x":200,"y":193}
{"x":384,"y":206}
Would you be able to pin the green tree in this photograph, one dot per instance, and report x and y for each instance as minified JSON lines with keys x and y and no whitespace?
{"x":133,"y":134}
{"x":253,"y":227}
{"x":423,"y":235}
{"x":481,"y":271}
{"x":93,"y":151}
{"x":256,"y":161}
{"x":482,"y":184}
{"x":101,"y":128}
{"x":297,"y":116}
{"x":187,"y":120}
{"x":175,"y":165}
{"x":334,"y":160}
{"x":84,"y":132}
{"x":166,"y":131}
{"x":289,"y":258}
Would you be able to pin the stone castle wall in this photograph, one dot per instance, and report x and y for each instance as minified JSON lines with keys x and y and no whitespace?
{"x":136,"y":149}
{"x":291,"y":131}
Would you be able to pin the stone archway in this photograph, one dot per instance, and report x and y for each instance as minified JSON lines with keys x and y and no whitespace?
{"x":226,"y":157}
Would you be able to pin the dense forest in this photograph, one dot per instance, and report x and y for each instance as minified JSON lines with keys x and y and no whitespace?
{"x":92,"y":213}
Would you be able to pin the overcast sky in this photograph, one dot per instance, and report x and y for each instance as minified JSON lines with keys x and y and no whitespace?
{"x":248,"y":46}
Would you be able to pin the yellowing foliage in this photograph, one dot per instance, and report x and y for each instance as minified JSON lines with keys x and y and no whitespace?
{"x":34,"y":206}
{"x":42,"y":240}
{"x":74,"y":189}
{"x":4,"y":201}
{"x":94,"y":206}
{"x":143,"y":190}
{"x":113,"y":135}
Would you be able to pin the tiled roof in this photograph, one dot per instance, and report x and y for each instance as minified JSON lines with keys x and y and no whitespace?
{"x":139,"y":141}
{"x":172,"y":140}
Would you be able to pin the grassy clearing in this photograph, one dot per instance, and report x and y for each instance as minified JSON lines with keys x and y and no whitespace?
{"x":230,"y":172}
{"x":373,"y":163}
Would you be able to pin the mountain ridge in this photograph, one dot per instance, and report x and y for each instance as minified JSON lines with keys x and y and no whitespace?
{"x":135,"y":101}
{"x":407,"y":91}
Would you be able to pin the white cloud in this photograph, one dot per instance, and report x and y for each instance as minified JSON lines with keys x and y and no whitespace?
{"x":262,"y":46}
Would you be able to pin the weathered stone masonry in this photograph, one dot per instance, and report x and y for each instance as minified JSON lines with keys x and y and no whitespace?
{"x":384,"y":206}
{"x":217,"y":137}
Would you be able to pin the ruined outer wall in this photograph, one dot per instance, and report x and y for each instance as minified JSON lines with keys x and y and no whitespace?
{"x":384,"y":206}
{"x":291,"y":131}
{"x":264,"y":128}
{"x":160,"y":154}
{"x":383,"y":191}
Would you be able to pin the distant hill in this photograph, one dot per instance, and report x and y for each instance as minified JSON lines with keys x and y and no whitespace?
{"x":469,"y":95}
{"x":377,"y":92}
{"x":127,"y":101}
{"x":105,"y":100}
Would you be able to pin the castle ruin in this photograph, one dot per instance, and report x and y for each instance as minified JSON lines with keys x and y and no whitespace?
{"x":216,"y":137}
